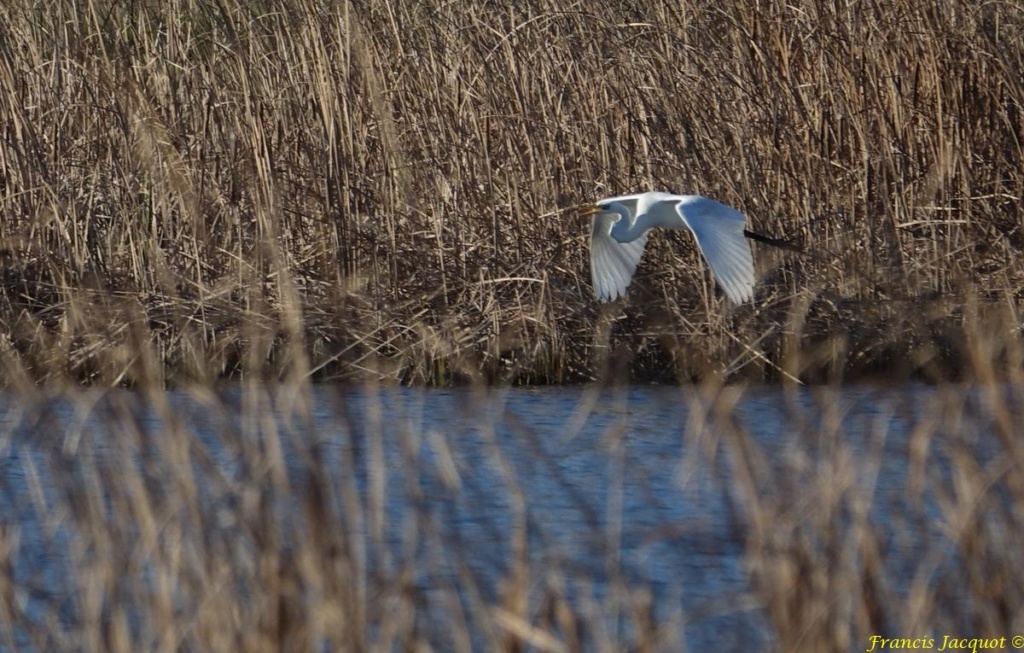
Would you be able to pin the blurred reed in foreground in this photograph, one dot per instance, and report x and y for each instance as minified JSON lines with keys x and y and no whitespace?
{"x":293,"y":517}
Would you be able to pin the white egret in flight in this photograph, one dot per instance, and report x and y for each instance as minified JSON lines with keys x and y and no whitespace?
{"x":620,"y":225}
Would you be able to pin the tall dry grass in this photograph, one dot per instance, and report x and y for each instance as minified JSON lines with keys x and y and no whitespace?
{"x":385,"y":189}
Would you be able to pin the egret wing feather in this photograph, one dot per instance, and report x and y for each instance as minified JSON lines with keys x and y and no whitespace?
{"x":612,"y":263}
{"x":719,"y":233}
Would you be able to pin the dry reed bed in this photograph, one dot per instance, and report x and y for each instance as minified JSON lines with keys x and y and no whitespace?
{"x":385,"y":189}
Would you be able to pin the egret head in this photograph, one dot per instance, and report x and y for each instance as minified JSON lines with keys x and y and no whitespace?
{"x":614,"y":210}
{"x":588,"y":210}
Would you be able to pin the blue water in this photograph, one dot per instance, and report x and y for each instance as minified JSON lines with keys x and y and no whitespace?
{"x":633,"y":491}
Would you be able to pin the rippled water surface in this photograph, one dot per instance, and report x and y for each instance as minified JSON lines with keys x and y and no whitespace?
{"x":634,"y":489}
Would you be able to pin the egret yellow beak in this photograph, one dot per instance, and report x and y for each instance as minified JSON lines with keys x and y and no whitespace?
{"x":588,"y":210}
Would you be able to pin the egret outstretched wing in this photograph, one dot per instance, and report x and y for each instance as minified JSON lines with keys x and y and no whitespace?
{"x":719,"y":233}
{"x":612,"y":263}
